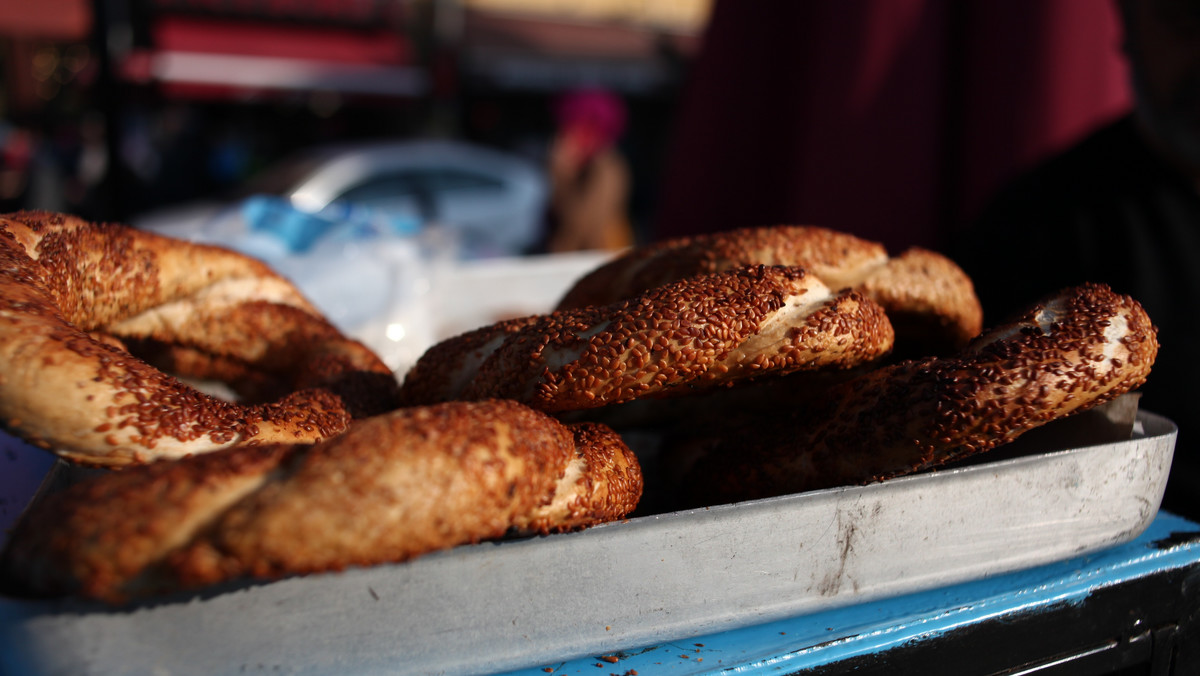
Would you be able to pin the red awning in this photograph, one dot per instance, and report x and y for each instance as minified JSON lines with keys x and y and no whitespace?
{"x":216,"y":57}
{"x":65,"y":20}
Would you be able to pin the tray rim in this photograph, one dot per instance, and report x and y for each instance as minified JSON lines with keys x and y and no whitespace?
{"x":19,"y":618}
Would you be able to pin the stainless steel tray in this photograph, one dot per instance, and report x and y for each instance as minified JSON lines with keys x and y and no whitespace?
{"x":648,"y":580}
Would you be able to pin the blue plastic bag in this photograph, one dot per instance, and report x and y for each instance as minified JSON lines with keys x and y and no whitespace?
{"x":298,"y":230}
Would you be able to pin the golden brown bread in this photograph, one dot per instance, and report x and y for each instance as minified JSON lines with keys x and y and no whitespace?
{"x":930,"y":300}
{"x":689,"y":335}
{"x":76,"y":297}
{"x":602,"y":483}
{"x":391,"y":488}
{"x":836,"y":257}
{"x":1082,"y":347}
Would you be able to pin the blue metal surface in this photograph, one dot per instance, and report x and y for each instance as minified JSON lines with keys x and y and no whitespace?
{"x":830,"y":637}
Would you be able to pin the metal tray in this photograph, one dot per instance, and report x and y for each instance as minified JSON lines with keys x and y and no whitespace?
{"x":651,"y":579}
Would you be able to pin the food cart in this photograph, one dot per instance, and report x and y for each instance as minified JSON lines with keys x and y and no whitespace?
{"x":1053,"y":558}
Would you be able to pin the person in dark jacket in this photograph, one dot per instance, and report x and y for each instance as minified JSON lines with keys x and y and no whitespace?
{"x":1121,"y":207}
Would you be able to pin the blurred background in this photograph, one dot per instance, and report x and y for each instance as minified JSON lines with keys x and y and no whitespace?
{"x":113,"y":108}
{"x":892,"y":119}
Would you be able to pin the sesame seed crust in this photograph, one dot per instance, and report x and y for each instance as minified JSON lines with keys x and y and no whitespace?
{"x":687,"y":336}
{"x":446,"y":368}
{"x":931,"y":301}
{"x":603,"y":482}
{"x":84,"y":305}
{"x":393,"y":487}
{"x":835,"y":257}
{"x":1082,"y":347}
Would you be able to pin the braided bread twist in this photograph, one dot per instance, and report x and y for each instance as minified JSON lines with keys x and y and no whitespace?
{"x":929,"y":299}
{"x":76,"y":297}
{"x":391,"y":488}
{"x":688,"y":335}
{"x":1082,"y":347}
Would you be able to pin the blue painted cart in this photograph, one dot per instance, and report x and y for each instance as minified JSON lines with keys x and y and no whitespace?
{"x":1133,"y":608}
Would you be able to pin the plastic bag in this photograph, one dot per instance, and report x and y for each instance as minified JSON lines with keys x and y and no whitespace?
{"x":366,"y":271}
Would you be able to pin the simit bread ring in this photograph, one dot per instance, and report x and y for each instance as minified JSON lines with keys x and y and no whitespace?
{"x":78,"y":296}
{"x":930,"y":300}
{"x":391,"y":488}
{"x":1085,"y":346}
{"x":693,"y":333}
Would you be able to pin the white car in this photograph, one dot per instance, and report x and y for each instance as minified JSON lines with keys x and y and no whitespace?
{"x":490,"y":201}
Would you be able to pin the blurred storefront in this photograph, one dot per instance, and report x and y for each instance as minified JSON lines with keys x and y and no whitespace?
{"x":515,"y":57}
{"x":146,"y":102}
{"x":47,"y":62}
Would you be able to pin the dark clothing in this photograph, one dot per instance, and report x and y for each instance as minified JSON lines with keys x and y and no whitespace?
{"x":1108,"y":210}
